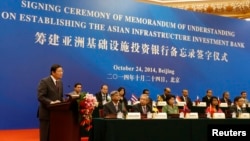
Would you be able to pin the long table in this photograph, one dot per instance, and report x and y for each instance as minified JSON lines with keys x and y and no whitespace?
{"x":155,"y":130}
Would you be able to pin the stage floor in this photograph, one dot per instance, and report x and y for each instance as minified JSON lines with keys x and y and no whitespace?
{"x":19,"y":135}
{"x":23,"y":135}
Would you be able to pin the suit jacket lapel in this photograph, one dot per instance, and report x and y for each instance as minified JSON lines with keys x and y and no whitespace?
{"x":56,"y":91}
{"x":52,"y":83}
{"x":140,"y":108}
{"x":120,"y":107}
{"x":113,"y":107}
{"x":148,"y":109}
{"x":60,"y":87}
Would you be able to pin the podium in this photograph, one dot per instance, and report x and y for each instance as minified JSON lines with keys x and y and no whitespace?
{"x":64,"y":124}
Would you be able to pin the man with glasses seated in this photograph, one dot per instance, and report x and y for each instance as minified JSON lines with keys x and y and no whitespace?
{"x":143,"y":107}
{"x":238,"y":106}
{"x":114,"y":106}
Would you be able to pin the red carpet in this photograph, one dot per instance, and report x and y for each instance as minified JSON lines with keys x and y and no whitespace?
{"x":19,"y":135}
{"x":23,"y":135}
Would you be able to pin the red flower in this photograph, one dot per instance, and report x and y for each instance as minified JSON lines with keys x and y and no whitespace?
{"x":86,"y":104}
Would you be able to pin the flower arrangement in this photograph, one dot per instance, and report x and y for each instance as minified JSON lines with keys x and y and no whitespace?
{"x":86,"y":105}
{"x":155,"y":109}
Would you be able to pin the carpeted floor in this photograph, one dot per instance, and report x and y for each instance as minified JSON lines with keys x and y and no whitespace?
{"x":23,"y":135}
{"x":19,"y":135}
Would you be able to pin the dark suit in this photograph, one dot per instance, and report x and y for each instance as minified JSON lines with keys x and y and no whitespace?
{"x":233,"y":109}
{"x":138,"y":108}
{"x":229,"y":102}
{"x":188,"y":101}
{"x":100,"y":99}
{"x":109,"y":108}
{"x":164,"y":97}
{"x":124,"y":101}
{"x":205,"y":99}
{"x":150,"y":101}
{"x":47,"y":92}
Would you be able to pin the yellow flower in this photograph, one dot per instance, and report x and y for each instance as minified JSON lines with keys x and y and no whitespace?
{"x":155,"y":109}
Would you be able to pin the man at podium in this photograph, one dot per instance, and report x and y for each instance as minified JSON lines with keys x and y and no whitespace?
{"x":50,"y":91}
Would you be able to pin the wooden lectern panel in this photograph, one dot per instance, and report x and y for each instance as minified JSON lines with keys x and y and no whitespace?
{"x":64,"y":124}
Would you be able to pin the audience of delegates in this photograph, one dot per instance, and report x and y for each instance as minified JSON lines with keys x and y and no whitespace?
{"x":206,"y":98}
{"x":114,"y":106}
{"x":123,"y":100}
{"x":186,"y":99}
{"x":145,"y":102}
{"x":226,"y":98}
{"x":213,"y":106}
{"x":244,"y":96}
{"x":170,"y":108}
{"x":102,"y":96}
{"x":167,"y":92}
{"x":238,"y":106}
{"x":143,"y":107}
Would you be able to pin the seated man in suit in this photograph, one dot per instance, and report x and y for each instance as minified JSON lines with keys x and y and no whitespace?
{"x":167,"y":92}
{"x":238,"y":106}
{"x":244,"y":96}
{"x":226,"y":98}
{"x":186,"y":99}
{"x":77,"y":89}
{"x":207,"y":97}
{"x":114,"y":106}
{"x":102,"y":96}
{"x":143,"y":107}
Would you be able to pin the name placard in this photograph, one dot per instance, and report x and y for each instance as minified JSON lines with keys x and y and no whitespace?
{"x":161,"y":103}
{"x":181,"y":103}
{"x":194,"y":104}
{"x":244,"y":116}
{"x":149,"y":115}
{"x":244,"y":105}
{"x":202,"y":104}
{"x":136,"y":102}
{"x":160,"y":116}
{"x":133,"y":115}
{"x":119,"y":115}
{"x":153,"y":103}
{"x":223,"y":104}
{"x":192,"y":115}
{"x":219,"y":116}
{"x":74,"y":95}
{"x":129,"y":102}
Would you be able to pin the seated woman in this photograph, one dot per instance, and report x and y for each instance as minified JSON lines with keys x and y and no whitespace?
{"x":123,"y":100}
{"x":170,"y":108}
{"x":213,"y":106}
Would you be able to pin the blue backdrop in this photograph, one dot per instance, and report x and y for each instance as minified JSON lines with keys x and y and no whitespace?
{"x":119,"y":43}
